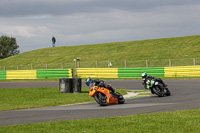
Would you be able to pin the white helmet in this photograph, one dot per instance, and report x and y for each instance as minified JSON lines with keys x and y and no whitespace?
{"x":144,"y":75}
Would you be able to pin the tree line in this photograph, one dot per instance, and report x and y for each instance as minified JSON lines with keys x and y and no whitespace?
{"x":8,"y":47}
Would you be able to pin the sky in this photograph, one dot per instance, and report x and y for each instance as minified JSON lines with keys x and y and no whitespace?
{"x":79,"y":22}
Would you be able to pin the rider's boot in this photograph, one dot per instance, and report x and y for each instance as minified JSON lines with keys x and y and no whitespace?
{"x":165,"y":85}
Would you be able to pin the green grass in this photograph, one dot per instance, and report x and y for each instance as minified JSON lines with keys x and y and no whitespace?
{"x":21,"y":98}
{"x":168,"y":122}
{"x":165,"y":48}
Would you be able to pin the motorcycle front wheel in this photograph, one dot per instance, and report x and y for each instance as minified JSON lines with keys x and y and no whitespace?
{"x":168,"y":92}
{"x":120,"y":98}
{"x":101,"y":99}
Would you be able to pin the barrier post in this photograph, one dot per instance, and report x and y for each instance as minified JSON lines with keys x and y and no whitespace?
{"x":75,"y":60}
{"x":146,"y":63}
{"x":96,"y":64}
{"x":31,"y":66}
{"x":170,"y":63}
{"x":62,"y":66}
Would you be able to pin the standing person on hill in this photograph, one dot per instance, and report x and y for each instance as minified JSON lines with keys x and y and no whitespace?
{"x":53,"y":41}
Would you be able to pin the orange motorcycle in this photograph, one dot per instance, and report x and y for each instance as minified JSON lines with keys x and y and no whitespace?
{"x":103,"y":96}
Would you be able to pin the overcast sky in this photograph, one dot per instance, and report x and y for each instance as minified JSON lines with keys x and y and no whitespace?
{"x":76,"y":22}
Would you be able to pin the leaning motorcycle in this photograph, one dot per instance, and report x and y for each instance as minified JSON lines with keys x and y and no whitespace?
{"x":157,"y":88}
{"x":103,"y":96}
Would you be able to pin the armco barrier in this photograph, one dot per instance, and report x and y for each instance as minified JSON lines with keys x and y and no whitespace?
{"x":97,"y":72}
{"x":137,"y":72}
{"x":118,"y":72}
{"x":21,"y":74}
{"x":2,"y":74}
{"x":54,"y":73}
{"x":186,"y":71}
{"x":36,"y":74}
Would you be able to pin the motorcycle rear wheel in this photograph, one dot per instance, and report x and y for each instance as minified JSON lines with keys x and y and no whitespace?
{"x":159,"y":90}
{"x":101,"y":99}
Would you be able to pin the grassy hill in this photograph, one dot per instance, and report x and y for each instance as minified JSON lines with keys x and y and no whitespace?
{"x":164,"y":48}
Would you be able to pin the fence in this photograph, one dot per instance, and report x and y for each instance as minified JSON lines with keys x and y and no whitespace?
{"x":109,"y":64}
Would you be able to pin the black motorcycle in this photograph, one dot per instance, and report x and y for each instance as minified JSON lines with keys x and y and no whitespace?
{"x":157,"y":88}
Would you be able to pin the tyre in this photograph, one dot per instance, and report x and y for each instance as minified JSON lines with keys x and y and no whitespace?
{"x":120,"y":98}
{"x":168,"y":93}
{"x":160,"y":90}
{"x":101,"y":99}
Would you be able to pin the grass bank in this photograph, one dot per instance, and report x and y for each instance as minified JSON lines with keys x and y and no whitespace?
{"x":168,"y":122}
{"x":21,"y":98}
{"x":164,"y":48}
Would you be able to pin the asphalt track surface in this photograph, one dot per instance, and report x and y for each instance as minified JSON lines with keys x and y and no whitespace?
{"x":185,"y":95}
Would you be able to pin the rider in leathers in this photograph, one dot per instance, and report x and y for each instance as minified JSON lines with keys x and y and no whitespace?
{"x":146,"y":77}
{"x":89,"y":82}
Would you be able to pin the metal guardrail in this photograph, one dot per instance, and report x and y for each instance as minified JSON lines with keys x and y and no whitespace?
{"x":109,"y":64}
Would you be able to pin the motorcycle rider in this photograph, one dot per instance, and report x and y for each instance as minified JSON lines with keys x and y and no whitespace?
{"x":145,"y":77}
{"x":89,"y":82}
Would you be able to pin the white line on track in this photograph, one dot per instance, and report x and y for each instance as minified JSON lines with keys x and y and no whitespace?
{"x":94,"y":106}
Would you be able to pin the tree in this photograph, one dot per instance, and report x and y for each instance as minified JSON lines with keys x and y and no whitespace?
{"x":8,"y":47}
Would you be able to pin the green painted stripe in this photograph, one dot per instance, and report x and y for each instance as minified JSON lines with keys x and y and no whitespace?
{"x":54,"y":73}
{"x":2,"y":74}
{"x":52,"y":76}
{"x":137,"y":72}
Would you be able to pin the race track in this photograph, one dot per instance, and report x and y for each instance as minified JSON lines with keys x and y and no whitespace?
{"x":185,"y":95}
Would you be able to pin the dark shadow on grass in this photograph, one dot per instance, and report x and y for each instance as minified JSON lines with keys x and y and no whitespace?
{"x":84,"y":91}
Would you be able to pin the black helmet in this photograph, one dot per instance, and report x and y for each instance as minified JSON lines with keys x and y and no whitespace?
{"x":144,"y":75}
{"x":96,"y":81}
{"x":87,"y":81}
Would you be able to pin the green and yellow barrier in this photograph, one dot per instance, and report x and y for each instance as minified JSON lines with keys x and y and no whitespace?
{"x":36,"y":74}
{"x":160,"y":72}
{"x":185,"y":71}
{"x":21,"y":74}
{"x":2,"y":75}
{"x":97,"y":72}
{"x":54,"y":73}
{"x":118,"y":72}
{"x":137,"y":72}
